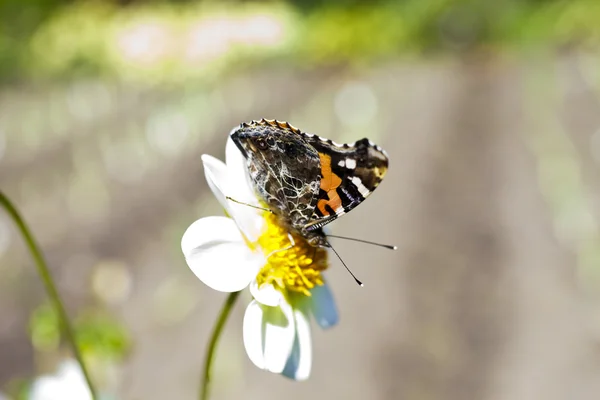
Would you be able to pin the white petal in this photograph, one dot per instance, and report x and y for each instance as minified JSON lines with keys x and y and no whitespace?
{"x":300,"y":361}
{"x":237,"y":167}
{"x":67,"y":384}
{"x":248,"y":219}
{"x":269,"y":335}
{"x":225,"y":183}
{"x":44,"y":388}
{"x":253,"y":334}
{"x":216,"y":252}
{"x":208,"y":230}
{"x":266,"y":294}
{"x":241,"y":190}
{"x":322,"y":306}
{"x":217,"y":177}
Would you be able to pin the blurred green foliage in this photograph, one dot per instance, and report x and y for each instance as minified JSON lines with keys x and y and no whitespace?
{"x":18,"y":22}
{"x":183,"y":39}
{"x":44,"y":328}
{"x":99,"y":335}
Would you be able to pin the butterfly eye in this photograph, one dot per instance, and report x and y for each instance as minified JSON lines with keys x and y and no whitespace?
{"x":261,"y":144}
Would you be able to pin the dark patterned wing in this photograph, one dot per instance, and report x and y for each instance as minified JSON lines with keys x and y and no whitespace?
{"x":283,"y":167}
{"x":350,"y":173}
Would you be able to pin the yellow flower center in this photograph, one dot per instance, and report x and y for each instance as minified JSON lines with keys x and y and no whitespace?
{"x":294,"y":268}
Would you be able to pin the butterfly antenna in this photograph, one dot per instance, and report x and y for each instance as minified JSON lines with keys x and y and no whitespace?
{"x":387,"y":246}
{"x":249,"y":205}
{"x":345,"y":266}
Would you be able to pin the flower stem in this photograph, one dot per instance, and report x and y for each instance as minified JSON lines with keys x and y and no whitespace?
{"x":46,"y":277}
{"x":212,"y":345}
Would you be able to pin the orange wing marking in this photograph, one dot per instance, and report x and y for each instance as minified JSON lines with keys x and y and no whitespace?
{"x":329,"y":183}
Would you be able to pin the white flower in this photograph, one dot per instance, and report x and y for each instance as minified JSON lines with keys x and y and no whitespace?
{"x":252,"y":249}
{"x":68,"y":384}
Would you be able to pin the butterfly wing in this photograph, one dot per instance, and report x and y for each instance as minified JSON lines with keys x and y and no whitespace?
{"x":283,"y":168}
{"x":349,"y":174}
{"x":307,"y":180}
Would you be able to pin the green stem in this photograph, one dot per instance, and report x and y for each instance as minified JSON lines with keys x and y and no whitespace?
{"x":46,"y":277}
{"x":214,"y":340}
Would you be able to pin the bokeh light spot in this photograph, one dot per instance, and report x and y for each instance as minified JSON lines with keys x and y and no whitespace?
{"x":260,"y":29}
{"x":145,"y":43}
{"x":209,"y":39}
{"x":355,"y":104}
{"x":167,"y":132}
{"x":111,"y":281}
{"x":174,"y":301}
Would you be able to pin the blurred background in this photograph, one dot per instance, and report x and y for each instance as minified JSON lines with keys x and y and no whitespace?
{"x":490,"y":112}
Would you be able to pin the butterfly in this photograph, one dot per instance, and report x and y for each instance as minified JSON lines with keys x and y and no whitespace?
{"x":306,"y":180}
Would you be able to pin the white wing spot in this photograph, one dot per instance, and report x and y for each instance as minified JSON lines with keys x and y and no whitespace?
{"x":359,"y":185}
{"x":350,"y":163}
{"x":342,"y":163}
